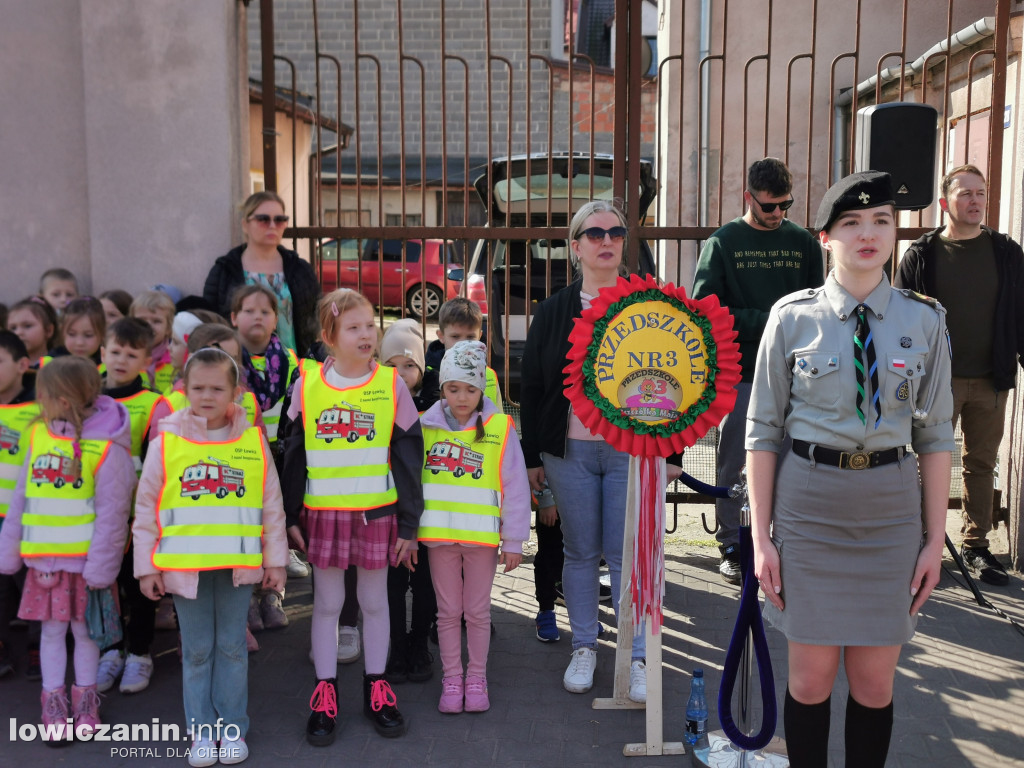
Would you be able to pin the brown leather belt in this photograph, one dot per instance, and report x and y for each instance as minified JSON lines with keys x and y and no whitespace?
{"x":848,"y":459}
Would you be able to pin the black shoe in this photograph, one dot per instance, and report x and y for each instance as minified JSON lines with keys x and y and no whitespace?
{"x":990,"y":570}
{"x":559,"y":594}
{"x":729,"y":568}
{"x":6,"y":667}
{"x":34,"y":671}
{"x":322,"y":720}
{"x":397,"y":670}
{"x":380,"y":705}
{"x":419,"y":661}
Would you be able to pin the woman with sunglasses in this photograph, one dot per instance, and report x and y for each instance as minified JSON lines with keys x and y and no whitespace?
{"x":587,"y":476}
{"x":262,"y":259}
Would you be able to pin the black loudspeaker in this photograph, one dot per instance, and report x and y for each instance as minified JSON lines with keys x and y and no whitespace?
{"x":899,"y":139}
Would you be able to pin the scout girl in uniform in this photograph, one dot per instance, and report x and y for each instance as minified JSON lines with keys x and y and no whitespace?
{"x":68,"y":521}
{"x":477,"y":496}
{"x":208,"y":525}
{"x":847,"y":540}
{"x":352,"y":464}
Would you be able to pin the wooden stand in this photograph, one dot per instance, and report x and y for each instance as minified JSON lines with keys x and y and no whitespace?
{"x":624,"y":649}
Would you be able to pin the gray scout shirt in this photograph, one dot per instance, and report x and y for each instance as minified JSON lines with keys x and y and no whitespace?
{"x":805,"y":384}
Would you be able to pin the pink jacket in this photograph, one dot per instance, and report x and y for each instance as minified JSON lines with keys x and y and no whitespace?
{"x":515,"y":490}
{"x":186,"y":583}
{"x":115,"y":481}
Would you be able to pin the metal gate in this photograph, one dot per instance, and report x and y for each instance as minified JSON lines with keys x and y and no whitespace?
{"x":438,"y":91}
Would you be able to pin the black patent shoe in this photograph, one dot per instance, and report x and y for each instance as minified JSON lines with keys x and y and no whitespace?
{"x":321,"y":726}
{"x":381,"y":707}
{"x":420,"y":661}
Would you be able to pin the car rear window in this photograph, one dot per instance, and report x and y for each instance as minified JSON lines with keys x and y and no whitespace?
{"x":392,"y":250}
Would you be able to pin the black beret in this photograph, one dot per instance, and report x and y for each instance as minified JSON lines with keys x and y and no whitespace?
{"x":855,"y":192}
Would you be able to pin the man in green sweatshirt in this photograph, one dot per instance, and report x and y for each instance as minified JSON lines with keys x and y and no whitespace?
{"x":749,"y":264}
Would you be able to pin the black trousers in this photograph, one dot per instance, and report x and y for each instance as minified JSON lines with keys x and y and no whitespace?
{"x":424,"y":601}
{"x":547,"y":564}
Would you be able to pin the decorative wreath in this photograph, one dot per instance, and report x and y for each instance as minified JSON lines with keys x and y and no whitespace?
{"x":650,"y":369}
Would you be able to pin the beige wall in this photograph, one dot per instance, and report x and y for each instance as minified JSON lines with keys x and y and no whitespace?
{"x":122,"y":140}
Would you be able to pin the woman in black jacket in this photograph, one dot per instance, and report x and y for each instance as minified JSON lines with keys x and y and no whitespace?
{"x":587,"y":476}
{"x":262,"y":259}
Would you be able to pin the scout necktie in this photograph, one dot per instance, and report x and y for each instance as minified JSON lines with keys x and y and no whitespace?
{"x":862,"y":343}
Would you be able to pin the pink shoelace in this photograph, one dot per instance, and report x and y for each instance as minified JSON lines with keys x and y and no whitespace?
{"x":381,"y":694}
{"x":324,"y":699}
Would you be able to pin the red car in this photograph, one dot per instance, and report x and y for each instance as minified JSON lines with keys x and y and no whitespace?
{"x":430,"y":276}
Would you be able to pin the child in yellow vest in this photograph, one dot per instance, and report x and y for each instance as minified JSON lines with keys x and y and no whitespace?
{"x":157,"y":310}
{"x":125,"y":354}
{"x":68,"y":521}
{"x":458,"y":319}
{"x":353,"y":456}
{"x":210,"y":469}
{"x":476,"y":496}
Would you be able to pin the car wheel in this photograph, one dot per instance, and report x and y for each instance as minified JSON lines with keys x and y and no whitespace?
{"x":424,"y":300}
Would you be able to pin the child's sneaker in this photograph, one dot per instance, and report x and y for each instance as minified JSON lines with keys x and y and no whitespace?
{"x":232,"y":751}
{"x":55,"y":717}
{"x":137,"y":671}
{"x":272,"y":611}
{"x":297,"y":568}
{"x":452,"y":695}
{"x":111,"y":667}
{"x":254,"y":620}
{"x":547,"y":627}
{"x":348,"y":645}
{"x":476,"y":694}
{"x":203,"y":753}
{"x":85,"y":708}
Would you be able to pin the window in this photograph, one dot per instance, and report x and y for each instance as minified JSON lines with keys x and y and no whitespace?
{"x":395,"y":220}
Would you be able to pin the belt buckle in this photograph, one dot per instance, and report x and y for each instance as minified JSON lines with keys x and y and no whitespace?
{"x":855,"y":460}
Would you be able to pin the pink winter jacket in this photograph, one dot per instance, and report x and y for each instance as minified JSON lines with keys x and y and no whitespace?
{"x":186,"y":583}
{"x":515,"y":486}
{"x":115,"y":481}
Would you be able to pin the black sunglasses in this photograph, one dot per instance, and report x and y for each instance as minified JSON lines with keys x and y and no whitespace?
{"x":597,"y":235}
{"x":770,"y":207}
{"x":265,"y":219}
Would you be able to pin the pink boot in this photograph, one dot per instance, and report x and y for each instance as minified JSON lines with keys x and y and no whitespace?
{"x":55,"y":718}
{"x":476,"y":694}
{"x":451,"y":695}
{"x":85,"y":707}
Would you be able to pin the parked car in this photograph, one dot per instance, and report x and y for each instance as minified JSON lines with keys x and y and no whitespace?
{"x":497,"y":265}
{"x":431,"y":274}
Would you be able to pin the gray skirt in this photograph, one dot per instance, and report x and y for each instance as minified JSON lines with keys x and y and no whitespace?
{"x":848,"y":542}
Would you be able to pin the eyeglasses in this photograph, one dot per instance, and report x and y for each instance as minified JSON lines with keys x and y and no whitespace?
{"x":597,"y":235}
{"x":266,"y":219}
{"x":770,"y":207}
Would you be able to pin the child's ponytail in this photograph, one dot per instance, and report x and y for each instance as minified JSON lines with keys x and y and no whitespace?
{"x":480,"y":432}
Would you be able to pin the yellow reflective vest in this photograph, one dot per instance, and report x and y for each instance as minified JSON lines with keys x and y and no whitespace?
{"x":59,"y":506}
{"x":272,"y":415}
{"x":462,"y":483}
{"x":14,"y":438}
{"x":348,"y":440}
{"x":177,"y":400}
{"x":210,"y":510}
{"x":140,"y":408}
{"x":491,"y":389}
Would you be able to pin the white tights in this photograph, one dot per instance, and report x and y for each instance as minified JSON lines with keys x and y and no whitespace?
{"x":53,"y":654}
{"x":328,"y":597}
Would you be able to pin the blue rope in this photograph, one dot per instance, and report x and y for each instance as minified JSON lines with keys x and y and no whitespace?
{"x":718,"y":491}
{"x":748,"y":620}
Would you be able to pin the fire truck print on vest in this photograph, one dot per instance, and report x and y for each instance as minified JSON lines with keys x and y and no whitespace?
{"x":57,"y":469}
{"x":347,"y":421}
{"x":456,"y":457}
{"x":212,"y":476}
{"x":10,"y":439}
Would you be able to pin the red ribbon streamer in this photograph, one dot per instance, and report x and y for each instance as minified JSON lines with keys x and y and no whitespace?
{"x":648,"y":582}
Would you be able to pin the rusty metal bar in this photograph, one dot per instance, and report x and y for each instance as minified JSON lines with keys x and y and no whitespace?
{"x":995,"y":144}
{"x":968,"y":111}
{"x":269,"y":94}
{"x":295,"y":123}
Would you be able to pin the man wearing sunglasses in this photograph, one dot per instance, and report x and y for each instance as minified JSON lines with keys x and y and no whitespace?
{"x":749,"y":264}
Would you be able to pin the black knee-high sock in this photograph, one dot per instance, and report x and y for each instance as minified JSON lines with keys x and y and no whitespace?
{"x":868,"y":731}
{"x":807,"y":732}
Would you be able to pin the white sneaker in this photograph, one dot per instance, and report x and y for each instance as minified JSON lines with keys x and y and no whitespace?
{"x":232,"y":751}
{"x":579,"y":676}
{"x":203,"y":753}
{"x":297,"y":568}
{"x":348,"y":644}
{"x":137,"y":671}
{"x":638,"y":681}
{"x":111,"y":667}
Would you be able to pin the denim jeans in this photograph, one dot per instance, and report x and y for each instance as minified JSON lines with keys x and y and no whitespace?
{"x":590,"y":485}
{"x":215,"y":663}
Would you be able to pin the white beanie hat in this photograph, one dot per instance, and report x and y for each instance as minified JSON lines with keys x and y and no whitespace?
{"x":465,"y":361}
{"x":183,"y":325}
{"x":403,"y":337}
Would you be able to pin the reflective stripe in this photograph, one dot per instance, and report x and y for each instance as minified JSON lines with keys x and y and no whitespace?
{"x":364,"y":457}
{"x":206,"y":561}
{"x":210,"y":543}
{"x":200,"y":516}
{"x":356,"y":486}
{"x":57,"y":526}
{"x":438,"y":525}
{"x":272,"y":419}
{"x":461,"y":494}
{"x":9,"y":473}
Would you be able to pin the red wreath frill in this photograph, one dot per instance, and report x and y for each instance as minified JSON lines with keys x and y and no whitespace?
{"x":677,"y":437}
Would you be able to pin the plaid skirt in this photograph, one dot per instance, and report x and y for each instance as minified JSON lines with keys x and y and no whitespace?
{"x":340,"y":538}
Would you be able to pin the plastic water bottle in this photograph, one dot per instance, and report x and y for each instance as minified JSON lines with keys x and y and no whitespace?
{"x":697,"y":713}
